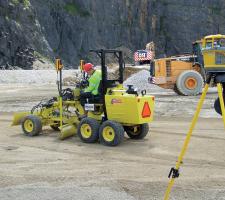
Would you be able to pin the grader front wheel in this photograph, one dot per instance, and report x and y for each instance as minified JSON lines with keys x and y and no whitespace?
{"x":137,"y":132}
{"x":111,"y":133}
{"x":88,"y":130}
{"x":31,"y":125}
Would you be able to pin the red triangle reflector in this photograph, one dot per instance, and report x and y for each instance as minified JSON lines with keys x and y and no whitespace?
{"x":146,"y":112}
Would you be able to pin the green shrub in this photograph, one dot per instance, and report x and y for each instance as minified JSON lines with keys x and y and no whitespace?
{"x":74,"y":9}
{"x":26,"y":3}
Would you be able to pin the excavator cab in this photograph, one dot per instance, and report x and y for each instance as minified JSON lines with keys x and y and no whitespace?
{"x":213,"y":49}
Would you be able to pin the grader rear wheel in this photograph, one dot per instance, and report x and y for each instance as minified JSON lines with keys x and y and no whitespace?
{"x":88,"y":130}
{"x":137,"y":132}
{"x":111,"y":133}
{"x":31,"y":125}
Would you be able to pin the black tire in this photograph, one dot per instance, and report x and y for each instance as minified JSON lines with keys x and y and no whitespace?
{"x":140,"y":132}
{"x":176,"y":90}
{"x":217,"y":105}
{"x":88,"y":130}
{"x":31,"y":125}
{"x":193,"y":77}
{"x":115,"y":133}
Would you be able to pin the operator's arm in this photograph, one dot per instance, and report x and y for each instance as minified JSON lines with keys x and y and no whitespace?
{"x":91,"y":86}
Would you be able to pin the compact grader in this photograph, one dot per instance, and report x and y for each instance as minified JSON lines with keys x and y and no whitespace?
{"x":111,"y":113}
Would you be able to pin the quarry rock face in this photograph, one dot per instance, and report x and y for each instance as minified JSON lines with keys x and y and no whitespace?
{"x":45,"y":29}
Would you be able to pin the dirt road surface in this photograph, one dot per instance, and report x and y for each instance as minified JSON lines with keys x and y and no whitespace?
{"x":45,"y":168}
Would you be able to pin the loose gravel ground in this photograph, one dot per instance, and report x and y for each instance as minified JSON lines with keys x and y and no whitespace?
{"x":45,"y":168}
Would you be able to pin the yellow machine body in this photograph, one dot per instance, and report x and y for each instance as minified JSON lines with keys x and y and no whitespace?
{"x":105,"y":116}
{"x":213,"y":50}
{"x":128,"y":108}
{"x":48,"y":118}
{"x":67,"y":131}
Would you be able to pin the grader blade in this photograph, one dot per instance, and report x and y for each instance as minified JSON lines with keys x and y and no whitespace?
{"x":67,"y":130}
{"x":18,"y":117}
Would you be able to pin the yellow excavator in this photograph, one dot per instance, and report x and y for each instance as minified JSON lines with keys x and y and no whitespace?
{"x":111,"y":113}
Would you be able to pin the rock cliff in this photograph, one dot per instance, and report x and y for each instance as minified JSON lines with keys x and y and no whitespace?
{"x":44,"y":29}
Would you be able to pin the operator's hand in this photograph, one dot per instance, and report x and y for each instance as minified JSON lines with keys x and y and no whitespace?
{"x":84,"y":83}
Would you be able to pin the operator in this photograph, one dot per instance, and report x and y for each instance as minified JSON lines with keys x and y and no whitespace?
{"x":94,"y":79}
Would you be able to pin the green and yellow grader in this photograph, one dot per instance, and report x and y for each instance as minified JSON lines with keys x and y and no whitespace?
{"x":112,"y":112}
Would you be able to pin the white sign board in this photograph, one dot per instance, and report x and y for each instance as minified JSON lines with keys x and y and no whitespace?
{"x":89,"y":107}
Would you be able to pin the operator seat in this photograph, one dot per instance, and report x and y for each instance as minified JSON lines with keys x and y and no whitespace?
{"x":98,"y":99}
{"x":94,"y":99}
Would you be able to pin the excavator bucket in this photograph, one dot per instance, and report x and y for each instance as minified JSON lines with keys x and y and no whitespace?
{"x":18,"y":117}
{"x":67,"y":130}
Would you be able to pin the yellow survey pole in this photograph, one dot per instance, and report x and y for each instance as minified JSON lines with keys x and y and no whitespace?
{"x":220,"y":94}
{"x":59,"y":68}
{"x":61,"y":112}
{"x":174,"y":172}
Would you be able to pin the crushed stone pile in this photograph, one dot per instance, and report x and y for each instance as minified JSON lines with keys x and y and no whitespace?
{"x":140,"y":81}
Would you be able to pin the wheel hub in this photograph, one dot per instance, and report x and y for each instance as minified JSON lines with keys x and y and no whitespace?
{"x":190,"y":83}
{"x":108,"y":134}
{"x":28,"y":125}
{"x":86,"y":131}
